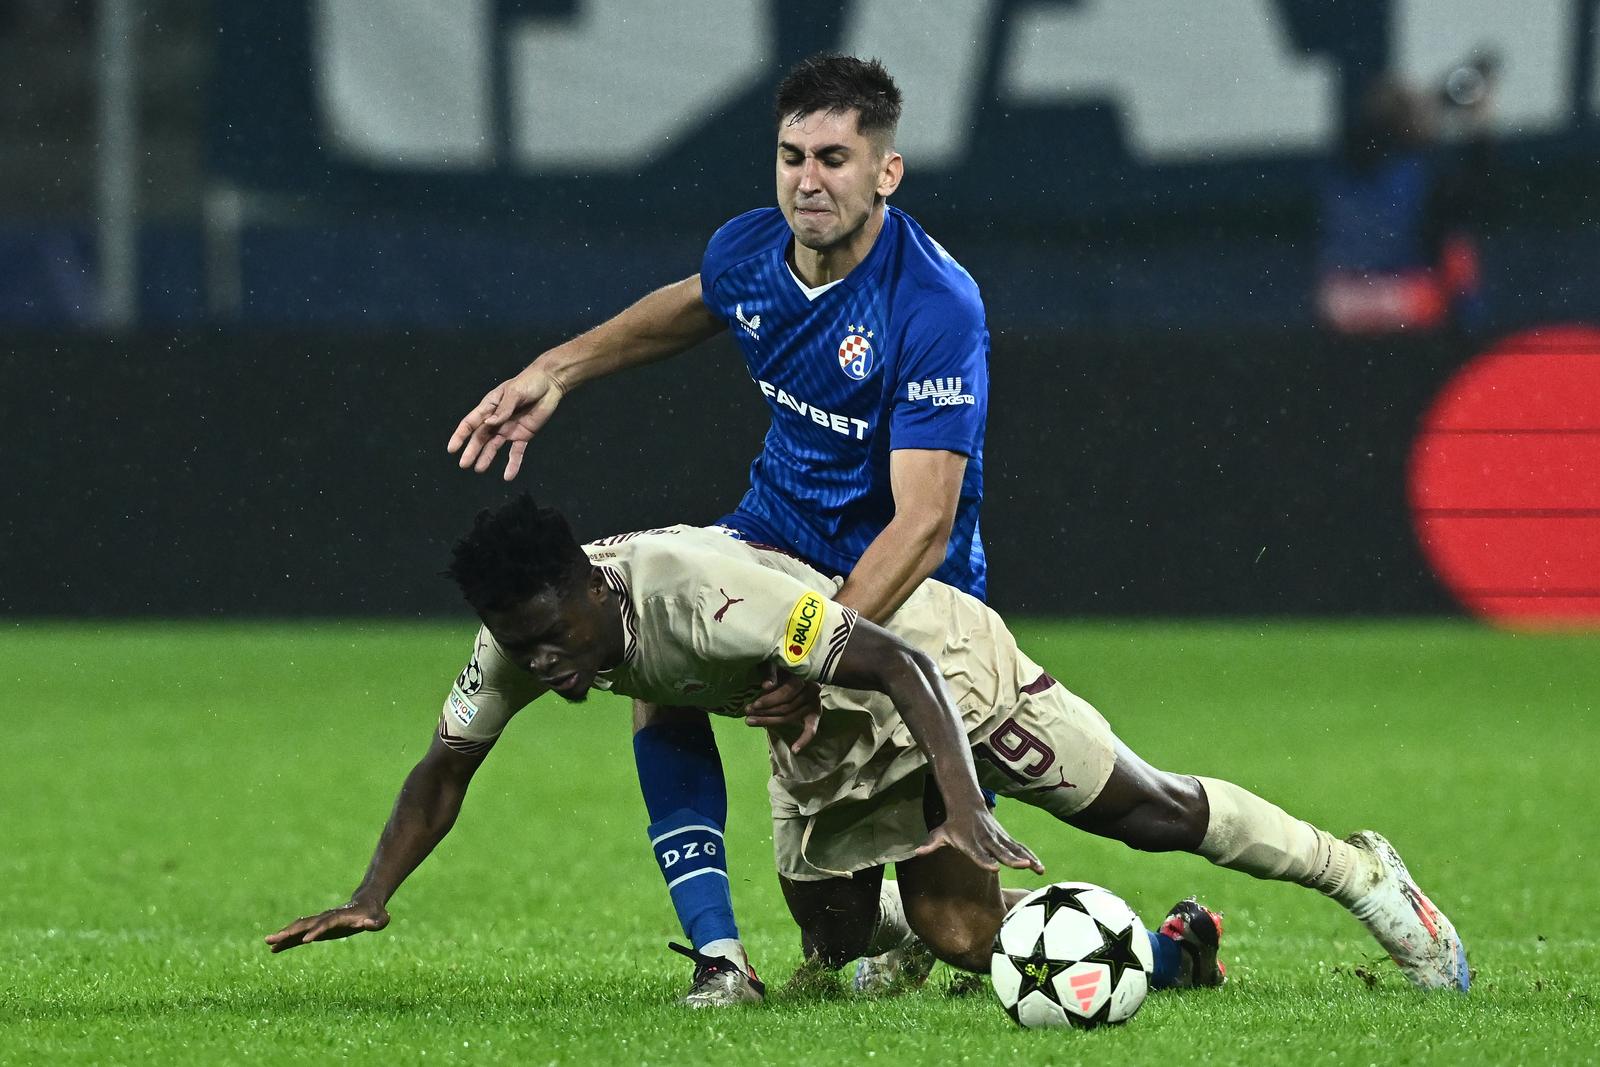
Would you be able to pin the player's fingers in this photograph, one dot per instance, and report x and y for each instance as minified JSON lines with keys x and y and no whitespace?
{"x":775,"y":705}
{"x":807,"y":732}
{"x":469,"y":454}
{"x":486,"y":457}
{"x":514,"y":459}
{"x":284,"y":940}
{"x":507,"y":400}
{"x":471,"y":428}
{"x":463,"y":433}
{"x":1019,"y":856}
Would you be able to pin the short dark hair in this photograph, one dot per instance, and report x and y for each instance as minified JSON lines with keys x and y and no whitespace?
{"x":834,"y":83}
{"x":514,"y":553}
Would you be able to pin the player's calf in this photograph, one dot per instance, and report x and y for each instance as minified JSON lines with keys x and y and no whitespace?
{"x":954,"y":906}
{"x":837,"y":917}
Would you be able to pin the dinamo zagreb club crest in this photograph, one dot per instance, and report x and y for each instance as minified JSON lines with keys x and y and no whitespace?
{"x":855,"y":353}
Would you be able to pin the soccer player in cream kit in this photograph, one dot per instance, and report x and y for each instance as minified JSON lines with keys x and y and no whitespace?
{"x":869,"y":346}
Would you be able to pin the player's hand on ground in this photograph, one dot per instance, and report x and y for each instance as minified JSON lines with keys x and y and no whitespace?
{"x":980,"y":837}
{"x":787,"y":699}
{"x":330,"y":925}
{"x":509,"y":414}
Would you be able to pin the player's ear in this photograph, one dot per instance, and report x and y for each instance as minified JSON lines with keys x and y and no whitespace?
{"x":597,"y":584}
{"x":890,"y":173}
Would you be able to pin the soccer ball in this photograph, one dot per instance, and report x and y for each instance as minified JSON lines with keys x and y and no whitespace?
{"x":1071,"y":954}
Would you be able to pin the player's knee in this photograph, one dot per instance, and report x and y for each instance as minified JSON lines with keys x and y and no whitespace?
{"x":1171,"y":817}
{"x":962,"y":936}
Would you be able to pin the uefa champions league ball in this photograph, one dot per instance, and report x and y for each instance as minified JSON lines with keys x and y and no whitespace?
{"x":1071,"y":954}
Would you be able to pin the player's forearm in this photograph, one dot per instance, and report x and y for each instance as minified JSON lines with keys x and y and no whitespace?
{"x":897,"y":561}
{"x":668,"y":321}
{"x":423,"y":814}
{"x":913,"y":682}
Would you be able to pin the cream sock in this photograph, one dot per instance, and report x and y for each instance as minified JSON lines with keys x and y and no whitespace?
{"x":1251,"y":835}
{"x":891,"y":931}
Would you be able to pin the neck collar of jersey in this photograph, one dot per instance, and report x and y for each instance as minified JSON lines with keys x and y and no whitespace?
{"x":868,"y":263}
{"x":630,"y":624}
{"x":811,"y":293}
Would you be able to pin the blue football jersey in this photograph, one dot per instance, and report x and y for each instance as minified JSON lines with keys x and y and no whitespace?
{"x":895,"y":355}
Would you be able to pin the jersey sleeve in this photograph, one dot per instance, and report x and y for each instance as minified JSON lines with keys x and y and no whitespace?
{"x":752,"y":613}
{"x":736,"y":240}
{"x":942,"y":396}
{"x":489,"y":690}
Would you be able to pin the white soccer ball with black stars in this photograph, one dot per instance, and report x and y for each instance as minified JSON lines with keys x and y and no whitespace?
{"x":1071,"y":954}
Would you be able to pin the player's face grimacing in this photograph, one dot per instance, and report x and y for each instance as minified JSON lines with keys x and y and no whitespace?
{"x":563,"y":638}
{"x":830,"y":177}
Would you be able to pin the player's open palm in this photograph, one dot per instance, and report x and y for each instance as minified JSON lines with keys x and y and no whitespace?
{"x":508,"y":415}
{"x":980,"y":837}
{"x":330,"y":926}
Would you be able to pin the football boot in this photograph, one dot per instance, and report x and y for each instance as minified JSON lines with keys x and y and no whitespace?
{"x":1198,"y":931}
{"x":720,"y":982}
{"x":1415,"y":934}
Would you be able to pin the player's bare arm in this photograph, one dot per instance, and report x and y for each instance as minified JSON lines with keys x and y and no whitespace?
{"x":927,"y":489}
{"x":926,"y":484}
{"x":426,"y":808}
{"x":668,"y":321}
{"x":877,"y":660}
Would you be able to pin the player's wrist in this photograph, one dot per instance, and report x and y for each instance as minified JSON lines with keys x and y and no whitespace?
{"x":368,"y":898}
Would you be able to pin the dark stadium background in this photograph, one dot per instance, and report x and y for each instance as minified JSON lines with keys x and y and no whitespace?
{"x":229,"y":368}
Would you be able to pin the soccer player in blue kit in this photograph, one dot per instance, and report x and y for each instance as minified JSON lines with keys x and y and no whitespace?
{"x":869,"y":344}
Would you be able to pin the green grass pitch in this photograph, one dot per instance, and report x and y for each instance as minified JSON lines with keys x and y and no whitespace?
{"x":171,"y":793}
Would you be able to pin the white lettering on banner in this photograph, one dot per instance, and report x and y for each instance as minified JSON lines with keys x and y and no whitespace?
{"x":406,"y":85}
{"x":839,"y":424}
{"x":409,"y":84}
{"x":1535,"y":40}
{"x":1191,"y":80}
{"x":612,"y":86}
{"x":936,"y":52}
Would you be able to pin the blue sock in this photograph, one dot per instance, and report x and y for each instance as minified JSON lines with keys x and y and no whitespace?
{"x":1167,"y":956}
{"x":680,"y":775}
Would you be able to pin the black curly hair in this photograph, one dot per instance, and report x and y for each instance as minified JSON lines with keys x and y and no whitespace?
{"x":834,"y":83}
{"x":515,"y":552}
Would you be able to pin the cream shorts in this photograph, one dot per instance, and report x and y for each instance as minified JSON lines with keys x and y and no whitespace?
{"x":1055,"y":751}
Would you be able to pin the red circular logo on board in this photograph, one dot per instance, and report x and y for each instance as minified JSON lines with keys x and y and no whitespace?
{"x":1504,"y":481}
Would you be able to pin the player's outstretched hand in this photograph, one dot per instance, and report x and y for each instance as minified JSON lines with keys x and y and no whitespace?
{"x":980,"y":837}
{"x":509,"y":414}
{"x":332,"y":924}
{"x":787,"y":699}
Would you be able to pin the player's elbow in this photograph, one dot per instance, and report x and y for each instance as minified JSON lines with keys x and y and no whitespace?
{"x":913,"y":668}
{"x":927,"y":528}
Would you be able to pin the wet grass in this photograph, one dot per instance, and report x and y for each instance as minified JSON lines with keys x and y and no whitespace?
{"x":175,"y":792}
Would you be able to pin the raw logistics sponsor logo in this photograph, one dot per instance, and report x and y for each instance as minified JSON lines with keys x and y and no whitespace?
{"x":801,"y":632}
{"x":942,"y":392}
{"x":751,"y":325}
{"x":855,"y":352}
{"x":840,"y":424}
